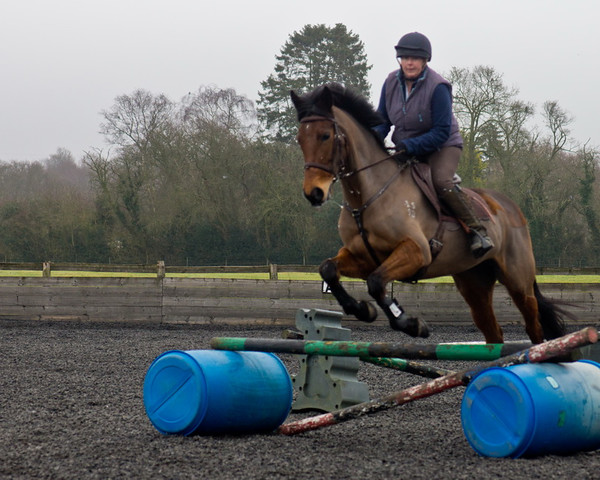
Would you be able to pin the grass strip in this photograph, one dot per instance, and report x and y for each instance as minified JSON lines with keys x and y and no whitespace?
{"x":292,"y":276}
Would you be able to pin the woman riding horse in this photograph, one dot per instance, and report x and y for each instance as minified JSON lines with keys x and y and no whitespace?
{"x":417,"y":101}
{"x":389,"y":222}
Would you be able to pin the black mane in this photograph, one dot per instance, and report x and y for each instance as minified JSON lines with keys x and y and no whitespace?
{"x":346,"y":99}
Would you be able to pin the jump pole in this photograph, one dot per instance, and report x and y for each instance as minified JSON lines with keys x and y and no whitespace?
{"x":441,"y":351}
{"x":408,"y":366}
{"x":536,"y":353}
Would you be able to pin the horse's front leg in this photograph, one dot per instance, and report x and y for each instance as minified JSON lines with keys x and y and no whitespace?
{"x":345,"y":263}
{"x":404,"y":262}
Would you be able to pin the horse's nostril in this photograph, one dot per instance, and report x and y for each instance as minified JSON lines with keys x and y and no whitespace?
{"x":316,"y":196}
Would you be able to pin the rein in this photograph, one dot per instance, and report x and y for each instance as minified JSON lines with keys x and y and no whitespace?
{"x":342,"y":174}
{"x":357,"y":212}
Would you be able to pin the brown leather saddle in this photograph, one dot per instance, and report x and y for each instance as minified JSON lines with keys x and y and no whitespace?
{"x":421,"y":174}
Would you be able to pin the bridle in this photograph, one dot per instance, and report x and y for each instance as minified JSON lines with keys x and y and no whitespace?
{"x":340,"y":171}
{"x":339,"y":142}
{"x":338,"y":156}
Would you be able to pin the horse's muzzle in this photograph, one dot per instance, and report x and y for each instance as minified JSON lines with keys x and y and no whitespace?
{"x":316,"y":197}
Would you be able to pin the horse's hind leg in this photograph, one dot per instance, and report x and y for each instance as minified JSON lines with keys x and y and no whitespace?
{"x":528,"y":306}
{"x":543,"y":319}
{"x":330,"y":271}
{"x":477,"y":288}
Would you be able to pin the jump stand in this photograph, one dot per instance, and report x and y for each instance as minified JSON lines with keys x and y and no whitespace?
{"x":326,"y":383}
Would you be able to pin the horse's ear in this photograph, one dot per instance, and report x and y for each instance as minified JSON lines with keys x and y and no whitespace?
{"x":324,"y":101}
{"x":296,"y":100}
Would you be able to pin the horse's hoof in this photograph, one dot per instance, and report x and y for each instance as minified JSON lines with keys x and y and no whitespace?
{"x":410,"y":325}
{"x":367,"y":312}
{"x":417,"y":328}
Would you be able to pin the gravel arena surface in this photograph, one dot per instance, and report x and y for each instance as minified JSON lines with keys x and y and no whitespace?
{"x":71,"y":407}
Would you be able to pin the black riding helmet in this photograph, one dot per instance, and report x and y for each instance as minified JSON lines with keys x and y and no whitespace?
{"x":414,"y":44}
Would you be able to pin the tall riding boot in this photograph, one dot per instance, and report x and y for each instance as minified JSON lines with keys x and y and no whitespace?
{"x":460,"y":205}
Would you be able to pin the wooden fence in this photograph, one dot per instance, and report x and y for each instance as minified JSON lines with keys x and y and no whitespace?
{"x":213,"y":301}
{"x":273,"y":270}
{"x":159,"y":268}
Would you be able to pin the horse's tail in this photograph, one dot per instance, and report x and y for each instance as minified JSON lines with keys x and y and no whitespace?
{"x":551,"y":316}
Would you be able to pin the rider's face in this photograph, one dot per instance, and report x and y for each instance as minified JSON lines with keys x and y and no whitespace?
{"x":412,"y":66}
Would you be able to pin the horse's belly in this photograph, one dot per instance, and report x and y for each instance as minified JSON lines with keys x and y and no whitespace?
{"x":455,"y":255}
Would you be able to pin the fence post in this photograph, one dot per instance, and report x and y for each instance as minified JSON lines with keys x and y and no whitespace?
{"x":46,"y":269}
{"x":273,"y":271}
{"x":161,"y":271}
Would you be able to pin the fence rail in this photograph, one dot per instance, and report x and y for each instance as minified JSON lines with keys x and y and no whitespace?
{"x":272,"y":269}
{"x":159,"y":268}
{"x":184,"y":300}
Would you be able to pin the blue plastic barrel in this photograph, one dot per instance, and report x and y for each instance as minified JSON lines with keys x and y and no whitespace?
{"x":533,"y":409}
{"x":214,"y":391}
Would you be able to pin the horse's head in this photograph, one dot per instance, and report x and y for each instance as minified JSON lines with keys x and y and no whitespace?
{"x":330,"y":118}
{"x":320,"y":141}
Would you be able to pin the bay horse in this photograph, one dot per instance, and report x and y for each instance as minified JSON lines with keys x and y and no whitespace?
{"x":391,"y":230}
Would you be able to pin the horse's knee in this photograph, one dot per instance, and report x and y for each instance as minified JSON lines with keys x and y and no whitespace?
{"x":328,"y":271}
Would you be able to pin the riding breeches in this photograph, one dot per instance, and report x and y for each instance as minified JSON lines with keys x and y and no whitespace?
{"x":443,"y":164}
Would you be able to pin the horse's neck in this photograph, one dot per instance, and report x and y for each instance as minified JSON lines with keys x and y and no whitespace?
{"x":363,"y":150}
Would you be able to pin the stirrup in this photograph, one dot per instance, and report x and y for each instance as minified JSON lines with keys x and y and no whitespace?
{"x":480,"y":244}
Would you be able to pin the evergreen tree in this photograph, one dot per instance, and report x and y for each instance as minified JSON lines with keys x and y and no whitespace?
{"x":316,"y":55}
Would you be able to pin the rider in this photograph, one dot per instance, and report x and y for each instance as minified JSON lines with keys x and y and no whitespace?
{"x":417,"y":101}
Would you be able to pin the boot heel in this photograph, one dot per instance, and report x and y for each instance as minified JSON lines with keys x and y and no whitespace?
{"x":480,"y":244}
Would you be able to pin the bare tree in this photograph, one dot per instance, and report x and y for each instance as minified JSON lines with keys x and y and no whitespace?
{"x":224,"y":108}
{"x":480,"y":98}
{"x":557,"y":120}
{"x":136,"y":119}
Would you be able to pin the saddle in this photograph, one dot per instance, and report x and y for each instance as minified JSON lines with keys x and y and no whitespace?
{"x":421,"y":173}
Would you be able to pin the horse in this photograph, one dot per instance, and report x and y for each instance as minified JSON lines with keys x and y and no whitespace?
{"x":392,"y":230}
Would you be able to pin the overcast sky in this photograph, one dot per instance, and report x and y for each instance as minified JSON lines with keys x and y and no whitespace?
{"x":64,"y":61}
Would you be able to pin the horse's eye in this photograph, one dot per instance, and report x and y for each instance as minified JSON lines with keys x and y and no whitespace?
{"x":325,"y":137}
